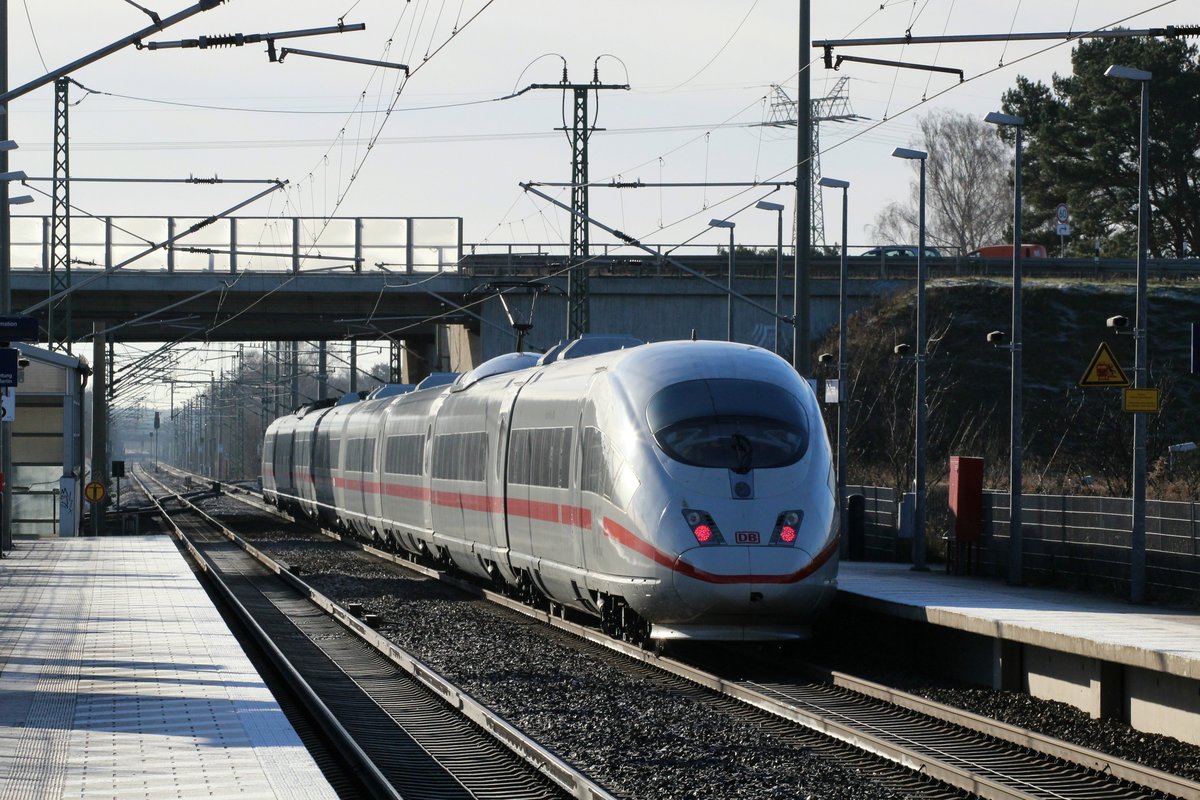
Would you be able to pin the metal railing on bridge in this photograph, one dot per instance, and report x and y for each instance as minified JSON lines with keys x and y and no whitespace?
{"x":435,"y":244}
{"x":233,"y":244}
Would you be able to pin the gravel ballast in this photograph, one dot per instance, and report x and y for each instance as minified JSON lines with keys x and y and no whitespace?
{"x":641,"y":734}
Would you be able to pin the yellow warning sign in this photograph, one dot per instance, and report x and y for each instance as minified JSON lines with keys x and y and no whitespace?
{"x":1141,"y":401}
{"x":1104,"y":372}
{"x":94,"y":492}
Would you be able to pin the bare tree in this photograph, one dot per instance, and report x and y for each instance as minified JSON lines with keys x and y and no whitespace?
{"x":968,"y":191}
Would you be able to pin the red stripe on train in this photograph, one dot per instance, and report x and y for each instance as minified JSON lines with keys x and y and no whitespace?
{"x":629,"y":539}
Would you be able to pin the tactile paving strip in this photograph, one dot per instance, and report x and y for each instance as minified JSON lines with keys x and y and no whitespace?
{"x":121,"y":680}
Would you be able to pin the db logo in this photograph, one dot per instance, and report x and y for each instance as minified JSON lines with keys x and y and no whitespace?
{"x":746,"y":537}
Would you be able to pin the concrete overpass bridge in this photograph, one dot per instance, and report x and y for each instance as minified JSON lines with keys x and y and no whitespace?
{"x":165,"y":279}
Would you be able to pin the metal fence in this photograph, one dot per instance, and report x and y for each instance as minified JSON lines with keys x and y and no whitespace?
{"x":232,"y":244}
{"x":1083,"y":542}
{"x":1068,"y":541}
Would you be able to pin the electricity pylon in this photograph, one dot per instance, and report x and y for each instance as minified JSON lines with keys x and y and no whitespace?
{"x":834,"y":107}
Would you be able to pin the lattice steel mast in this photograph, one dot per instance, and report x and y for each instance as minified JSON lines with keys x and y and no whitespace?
{"x":834,"y":107}
{"x":578,"y":316}
{"x":58,"y":312}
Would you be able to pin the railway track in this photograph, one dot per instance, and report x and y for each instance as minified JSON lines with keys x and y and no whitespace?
{"x":945,"y":746}
{"x":407,"y":731}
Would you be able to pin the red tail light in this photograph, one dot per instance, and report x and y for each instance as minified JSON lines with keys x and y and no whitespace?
{"x":787,"y":526}
{"x":702,"y":526}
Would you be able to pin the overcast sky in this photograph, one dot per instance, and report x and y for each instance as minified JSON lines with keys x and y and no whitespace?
{"x":700,"y":70}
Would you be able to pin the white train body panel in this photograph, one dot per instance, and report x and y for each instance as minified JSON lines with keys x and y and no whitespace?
{"x":690,"y":481}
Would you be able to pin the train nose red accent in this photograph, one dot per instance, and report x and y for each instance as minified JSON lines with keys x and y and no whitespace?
{"x":737,"y":580}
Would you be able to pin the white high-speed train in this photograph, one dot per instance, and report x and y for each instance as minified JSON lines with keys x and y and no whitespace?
{"x":675,"y":490}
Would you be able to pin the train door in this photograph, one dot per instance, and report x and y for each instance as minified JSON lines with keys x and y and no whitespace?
{"x":517,"y":489}
{"x":580,"y":512}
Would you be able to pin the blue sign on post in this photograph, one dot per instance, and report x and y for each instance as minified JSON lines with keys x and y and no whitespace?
{"x":18,"y":329}
{"x":8,"y":366}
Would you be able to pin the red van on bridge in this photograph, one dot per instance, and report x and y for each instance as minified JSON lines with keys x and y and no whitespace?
{"x":1006,"y":251}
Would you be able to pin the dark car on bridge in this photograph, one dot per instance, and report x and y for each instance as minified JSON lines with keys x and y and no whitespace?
{"x":899,"y":251}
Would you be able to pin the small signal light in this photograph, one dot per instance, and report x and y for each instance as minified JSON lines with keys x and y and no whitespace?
{"x":703,"y":534}
{"x":787,"y":534}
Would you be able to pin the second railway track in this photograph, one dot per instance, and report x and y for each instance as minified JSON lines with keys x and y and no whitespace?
{"x":418,"y":745}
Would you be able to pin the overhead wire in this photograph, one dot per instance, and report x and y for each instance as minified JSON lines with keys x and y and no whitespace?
{"x":359,"y":162}
{"x":720,"y":50}
{"x":33,"y":35}
{"x":867,"y":131}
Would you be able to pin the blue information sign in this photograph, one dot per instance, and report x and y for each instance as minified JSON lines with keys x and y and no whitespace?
{"x":8,"y":366}
{"x":18,"y":329}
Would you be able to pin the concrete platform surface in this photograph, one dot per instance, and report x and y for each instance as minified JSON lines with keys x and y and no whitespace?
{"x":119,"y":679}
{"x":1148,"y":637}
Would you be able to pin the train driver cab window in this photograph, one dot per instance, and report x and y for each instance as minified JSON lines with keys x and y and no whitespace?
{"x":729,"y":424}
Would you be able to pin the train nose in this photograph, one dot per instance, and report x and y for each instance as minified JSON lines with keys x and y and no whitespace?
{"x":738,"y":580}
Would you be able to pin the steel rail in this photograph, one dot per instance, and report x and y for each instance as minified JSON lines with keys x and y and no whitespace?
{"x":937,"y":762}
{"x":370,"y":775}
{"x":563,"y":774}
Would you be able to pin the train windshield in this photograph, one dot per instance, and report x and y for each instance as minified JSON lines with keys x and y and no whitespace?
{"x":729,"y":424}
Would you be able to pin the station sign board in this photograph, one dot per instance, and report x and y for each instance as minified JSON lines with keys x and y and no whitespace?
{"x":8,"y":366}
{"x":18,"y":329}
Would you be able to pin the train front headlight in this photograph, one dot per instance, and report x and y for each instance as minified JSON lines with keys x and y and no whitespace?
{"x":702,"y":527}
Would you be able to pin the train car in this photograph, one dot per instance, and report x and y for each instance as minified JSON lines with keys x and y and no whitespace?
{"x":674,"y":490}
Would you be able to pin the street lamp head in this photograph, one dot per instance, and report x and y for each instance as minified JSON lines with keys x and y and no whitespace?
{"x":901,"y":349}
{"x":768,"y":206}
{"x":721,"y":223}
{"x":996,"y":337}
{"x":904,"y":152}
{"x":1117,"y":322}
{"x":834,"y":183}
{"x":825,"y":358}
{"x":1127,"y":73}
{"x":996,"y":118}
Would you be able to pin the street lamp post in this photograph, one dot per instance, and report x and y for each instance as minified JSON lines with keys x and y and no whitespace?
{"x":842,"y":397}
{"x":1141,"y":335}
{"x":1015,"y":478}
{"x":918,"y":550}
{"x":778,"y":208}
{"x":725,"y":223}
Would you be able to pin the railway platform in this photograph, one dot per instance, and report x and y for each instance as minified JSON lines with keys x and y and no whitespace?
{"x":118,"y":678}
{"x":1136,"y":663}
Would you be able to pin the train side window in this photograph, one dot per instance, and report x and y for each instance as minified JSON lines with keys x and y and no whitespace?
{"x":460,"y":456}
{"x":354,"y":454}
{"x":600,"y":463}
{"x":368,"y":462}
{"x":402,"y":454}
{"x":540,"y":457}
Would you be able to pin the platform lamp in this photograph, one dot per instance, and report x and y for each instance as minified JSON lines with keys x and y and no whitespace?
{"x":765,"y":205}
{"x":842,"y":397}
{"x":918,"y":550}
{"x":1141,"y":335}
{"x":1015,"y":479}
{"x":725,"y":223}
